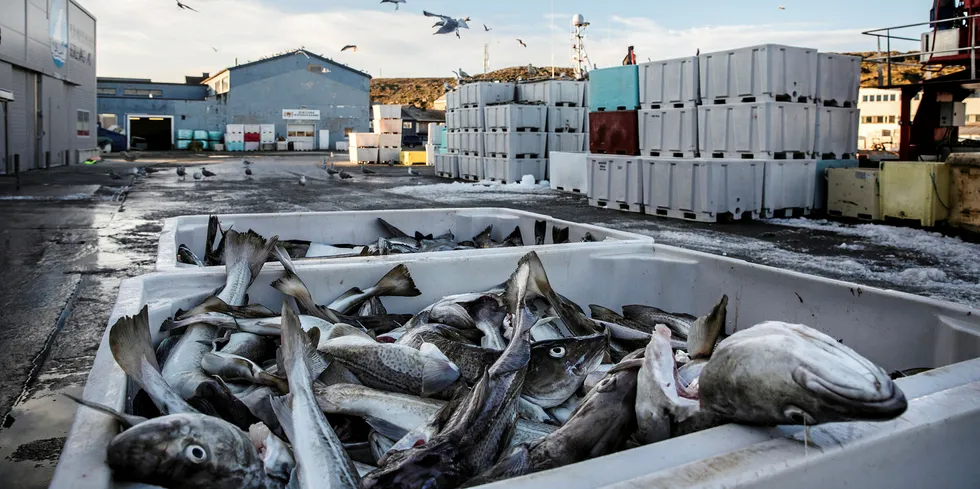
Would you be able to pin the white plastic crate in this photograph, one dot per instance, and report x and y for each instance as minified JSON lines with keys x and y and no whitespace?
{"x":512,"y":170}
{"x":838,"y":79}
{"x":452,"y":120}
{"x":387,"y":155}
{"x":390,"y":141}
{"x":514,"y":144}
{"x":471,"y":118}
{"x":569,"y":172}
{"x":567,"y":119}
{"x":237,"y":137}
{"x":668,"y":82}
{"x":669,"y":132}
{"x":299,"y":146}
{"x":253,"y":128}
{"x":485,"y":93}
{"x":788,"y":188}
{"x":472,"y":142}
{"x":363,"y":155}
{"x":471,"y":168}
{"x":837,"y":133}
{"x":430,"y":154}
{"x":454,"y":141}
{"x":267,"y":133}
{"x":567,"y":142}
{"x":391,"y":111}
{"x":341,"y":145}
{"x":252,"y":145}
{"x":363,"y":140}
{"x":702,"y":189}
{"x":769,"y":70}
{"x":616,"y":182}
{"x":513,"y":117}
{"x":759,"y":129}
{"x":388,"y":126}
{"x":235,"y":129}
{"x":568,"y":93}
{"x":447,"y":165}
{"x":452,"y":100}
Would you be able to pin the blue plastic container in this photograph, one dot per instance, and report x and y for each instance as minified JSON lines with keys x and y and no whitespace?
{"x":205,"y":144}
{"x":239,"y":146}
{"x":616,"y":88}
{"x":183,"y":143}
{"x":820,"y":185}
{"x":200,"y":135}
{"x":215,"y":136}
{"x":185,"y":134}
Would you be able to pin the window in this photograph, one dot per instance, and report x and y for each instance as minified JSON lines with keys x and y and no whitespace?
{"x":892,"y":97}
{"x":878,"y":98}
{"x":300,"y":132}
{"x":886,"y":133}
{"x":407,"y":125}
{"x":879,"y":119}
{"x":142,"y":92}
{"x":864,"y":98}
{"x":82,"y":124}
{"x":347,"y":131}
{"x":108,"y":120}
{"x":891,"y":119}
{"x":106,"y":91}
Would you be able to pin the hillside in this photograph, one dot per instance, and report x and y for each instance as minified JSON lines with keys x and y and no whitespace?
{"x":422,"y":92}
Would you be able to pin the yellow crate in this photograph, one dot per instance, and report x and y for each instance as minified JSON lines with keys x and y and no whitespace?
{"x":917,"y":190}
{"x":964,"y":191}
{"x":853,"y":192}
{"x":412,"y":158}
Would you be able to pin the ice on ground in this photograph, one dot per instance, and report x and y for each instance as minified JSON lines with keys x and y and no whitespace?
{"x":919,"y":275}
{"x":850,"y":246}
{"x":528,"y":180}
{"x":458,"y":191}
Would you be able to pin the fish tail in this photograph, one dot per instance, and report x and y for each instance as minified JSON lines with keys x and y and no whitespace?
{"x":126,"y":420}
{"x":398,"y":282}
{"x":209,"y":255}
{"x":540,"y":231}
{"x":483,"y":238}
{"x":392,"y":230}
{"x":559,"y":235}
{"x":291,"y":285}
{"x":515,"y":238}
{"x":249,"y":247}
{"x":281,"y":406}
{"x":280,"y":254}
{"x":130,"y":342}
{"x":211,"y":304}
{"x":297,"y":347}
{"x":706,"y":330}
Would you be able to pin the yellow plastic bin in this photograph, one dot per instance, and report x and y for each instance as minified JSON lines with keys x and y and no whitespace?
{"x":412,"y":157}
{"x":916,"y":190}
{"x":964,"y":191}
{"x":854,"y":192}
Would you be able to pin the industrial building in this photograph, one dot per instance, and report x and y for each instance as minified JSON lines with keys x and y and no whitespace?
{"x":47,"y":83}
{"x":309,"y":98}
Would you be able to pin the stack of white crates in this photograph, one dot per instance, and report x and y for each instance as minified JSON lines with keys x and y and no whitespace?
{"x":267,"y":137}
{"x":436,"y":143}
{"x":838,"y":83}
{"x":388,"y":127}
{"x":363,"y":147}
{"x":566,"y":123}
{"x":447,"y":162}
{"x":235,"y":137}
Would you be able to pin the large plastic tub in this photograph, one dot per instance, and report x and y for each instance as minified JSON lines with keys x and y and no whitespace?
{"x":513,"y":117}
{"x":567,"y":142}
{"x":471,"y":118}
{"x":705,"y":190}
{"x":569,"y":172}
{"x":964,"y":191}
{"x":515,"y":144}
{"x":480,"y":94}
{"x":363,"y":155}
{"x":669,"y":132}
{"x":359,"y":227}
{"x":388,"y":126}
{"x":214,"y":136}
{"x":185,"y":134}
{"x":200,"y":135}
{"x":769,"y":71}
{"x":452,"y":100}
{"x":472,"y":143}
{"x":837,"y":133}
{"x":567,"y":119}
{"x":447,"y":165}
{"x":915,"y":190}
{"x":513,"y":170}
{"x":854,"y":192}
{"x":788,"y":188}
{"x":453,"y":121}
{"x":614,"y":132}
{"x":759,"y":129}
{"x":471,"y":168}
{"x":392,"y":111}
{"x":929,"y":446}
{"x":822,"y":177}
{"x":616,"y":88}
{"x":389,"y":140}
{"x":616,"y":182}
{"x":668,"y":82}
{"x":364,"y":140}
{"x":567,"y":93}
{"x":838,"y":79}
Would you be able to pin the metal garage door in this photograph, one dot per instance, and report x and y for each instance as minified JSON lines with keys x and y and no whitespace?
{"x":22,"y":118}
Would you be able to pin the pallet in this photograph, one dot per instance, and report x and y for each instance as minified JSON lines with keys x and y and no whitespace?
{"x":562,"y":130}
{"x":620,"y":206}
{"x":858,"y":216}
{"x":613,"y":109}
{"x":470,"y":129}
{"x":669,"y":154}
{"x":519,"y":129}
{"x":784,"y":213}
{"x":522,"y":156}
{"x":470,"y":153}
{"x":565,"y":104}
{"x":470,"y":178}
{"x":445,"y":174}
{"x":761,"y":98}
{"x":616,"y":153}
{"x":700,"y":217}
{"x":782,"y":155}
{"x":835,"y":156}
{"x":673,"y":105}
{"x":569,"y":190}
{"x":835,"y":103}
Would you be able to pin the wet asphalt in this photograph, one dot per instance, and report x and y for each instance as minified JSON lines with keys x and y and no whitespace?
{"x":71,"y":234}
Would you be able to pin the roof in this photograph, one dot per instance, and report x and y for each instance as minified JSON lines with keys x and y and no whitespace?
{"x":292,"y":53}
{"x":410,"y":112}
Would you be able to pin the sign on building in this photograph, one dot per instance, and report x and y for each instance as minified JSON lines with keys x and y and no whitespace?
{"x":301,"y":114}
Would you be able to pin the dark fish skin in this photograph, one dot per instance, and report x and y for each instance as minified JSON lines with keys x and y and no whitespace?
{"x":679,"y":324}
{"x":559,"y":367}
{"x":186,"y":256}
{"x":610,"y":316}
{"x":188,"y":451}
{"x":471,"y":359}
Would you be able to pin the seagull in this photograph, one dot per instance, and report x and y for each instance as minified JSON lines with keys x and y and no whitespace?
{"x":323,"y":163}
{"x":447,"y":87}
{"x":214,"y":48}
{"x":246,"y":162}
{"x":248,"y":172}
{"x":206,"y":172}
{"x":522,"y":43}
{"x":332,"y":171}
{"x":129,"y":156}
{"x":365,"y":171}
{"x":114,"y":175}
{"x":396,"y":2}
{"x":486,"y":29}
{"x":181,"y":172}
{"x":352,"y":47}
{"x":782,"y":7}
{"x":413,"y":172}
{"x":345,"y":176}
{"x":185,"y":6}
{"x":197,"y":175}
{"x":531,"y":70}
{"x":446,"y":24}
{"x":302,"y":180}
{"x":150,"y":170}
{"x":331,"y":157}
{"x":391,"y":163}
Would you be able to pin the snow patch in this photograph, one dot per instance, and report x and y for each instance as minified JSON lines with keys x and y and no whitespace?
{"x":458,"y":191}
{"x":850,"y":246}
{"x":919,"y":275}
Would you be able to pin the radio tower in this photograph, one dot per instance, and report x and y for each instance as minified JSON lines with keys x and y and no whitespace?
{"x":579,"y":56}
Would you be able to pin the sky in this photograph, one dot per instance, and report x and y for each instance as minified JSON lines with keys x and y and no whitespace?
{"x":155,"y":39}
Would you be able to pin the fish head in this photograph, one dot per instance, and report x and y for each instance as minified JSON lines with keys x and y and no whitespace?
{"x":780,"y":373}
{"x":179,"y":449}
{"x":559,"y":367}
{"x":430,"y":466}
{"x":660,"y":396}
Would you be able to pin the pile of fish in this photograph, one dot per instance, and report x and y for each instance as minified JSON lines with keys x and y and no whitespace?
{"x":474,"y":388}
{"x":396,"y":241}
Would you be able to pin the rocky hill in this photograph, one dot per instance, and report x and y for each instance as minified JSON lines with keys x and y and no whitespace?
{"x":901,"y":75}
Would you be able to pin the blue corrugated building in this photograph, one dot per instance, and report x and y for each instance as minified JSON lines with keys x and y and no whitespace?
{"x":300,"y":92}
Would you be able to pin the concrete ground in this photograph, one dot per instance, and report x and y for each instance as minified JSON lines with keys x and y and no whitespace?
{"x":71,"y":234}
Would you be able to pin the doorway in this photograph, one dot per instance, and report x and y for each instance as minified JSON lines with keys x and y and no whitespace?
{"x":151,"y":132}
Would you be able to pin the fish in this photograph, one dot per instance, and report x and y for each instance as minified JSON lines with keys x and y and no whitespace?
{"x":704,"y":335}
{"x":188,"y":450}
{"x":539,"y":286}
{"x":391,"y":414}
{"x":679,"y":324}
{"x":661,"y":399}
{"x":610,"y":316}
{"x":488,"y":315}
{"x":186,"y":256}
{"x":561,"y":412}
{"x":277,"y":457}
{"x":321,"y":461}
{"x":791,"y":374}
{"x":232,"y":367}
{"x":472,"y":360}
{"x":396,"y":283}
{"x":559,"y":367}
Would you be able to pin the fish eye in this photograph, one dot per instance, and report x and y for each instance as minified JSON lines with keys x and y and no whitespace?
{"x":557,"y":352}
{"x":195,"y":454}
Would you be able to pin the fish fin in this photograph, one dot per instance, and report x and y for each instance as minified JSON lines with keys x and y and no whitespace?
{"x":297,"y":346}
{"x":604,"y":314}
{"x":130,"y":342}
{"x":281,"y":405}
{"x":291,"y":285}
{"x":559,"y":235}
{"x":420,"y":237}
{"x":540,"y":231}
{"x":515,"y":292}
{"x":209,"y":255}
{"x":483,"y":239}
{"x":518,"y":352}
{"x":249,"y":247}
{"x":515,"y":238}
{"x":515,"y":463}
{"x":392,"y":230}
{"x":635,"y":311}
{"x":706,"y":330}
{"x":213,"y":397}
{"x":347,"y":340}
{"x":165,"y":347}
{"x":350,"y":293}
{"x":365,"y":251}
{"x":438,"y":372}
{"x":398,"y":282}
{"x":449,"y":236}
{"x":211,"y":304}
{"x":126,"y":420}
{"x":283,"y":256}
{"x":385,"y":428}
{"x":170,"y":324}
{"x":293,"y":480}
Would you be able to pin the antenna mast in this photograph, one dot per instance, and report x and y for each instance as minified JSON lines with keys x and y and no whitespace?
{"x":579,"y":55}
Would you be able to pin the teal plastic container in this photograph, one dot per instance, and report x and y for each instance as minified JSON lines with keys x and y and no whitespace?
{"x":439,"y":138}
{"x":215,"y":136}
{"x":185,"y":134}
{"x":205,"y":144}
{"x":820,"y":185}
{"x":200,"y":135}
{"x":183,"y":143}
{"x":616,"y":88}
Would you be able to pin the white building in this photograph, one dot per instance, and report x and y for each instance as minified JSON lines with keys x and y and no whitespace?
{"x":880,"y":109}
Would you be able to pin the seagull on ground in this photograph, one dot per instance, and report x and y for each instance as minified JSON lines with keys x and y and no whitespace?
{"x":302,"y":180}
{"x":197,"y":175}
{"x":365,"y":171}
{"x":345,"y":176}
{"x":207,"y":173}
{"x":413,"y":172}
{"x":181,"y":172}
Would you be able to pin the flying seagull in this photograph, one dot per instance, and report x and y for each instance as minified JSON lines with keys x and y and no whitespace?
{"x":214,"y":48}
{"x":782,"y":7}
{"x":185,"y":6}
{"x":349,"y":46}
{"x":396,"y":2}
{"x":486,"y":29}
{"x":447,"y":24}
{"x":521,"y":43}
{"x":447,"y":87}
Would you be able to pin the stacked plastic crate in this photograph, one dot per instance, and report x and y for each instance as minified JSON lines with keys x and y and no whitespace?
{"x":235,"y":137}
{"x":253,"y":137}
{"x":436,"y":144}
{"x":363,"y":147}
{"x":447,"y":162}
{"x":184,"y":138}
{"x":567,"y":126}
{"x":615,"y":178}
{"x":477,"y":157}
{"x":267,"y":137}
{"x":201,"y":138}
{"x":835,"y":144}
{"x":388,"y":126}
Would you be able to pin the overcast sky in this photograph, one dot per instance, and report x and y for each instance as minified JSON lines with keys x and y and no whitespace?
{"x":154,"y":39}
